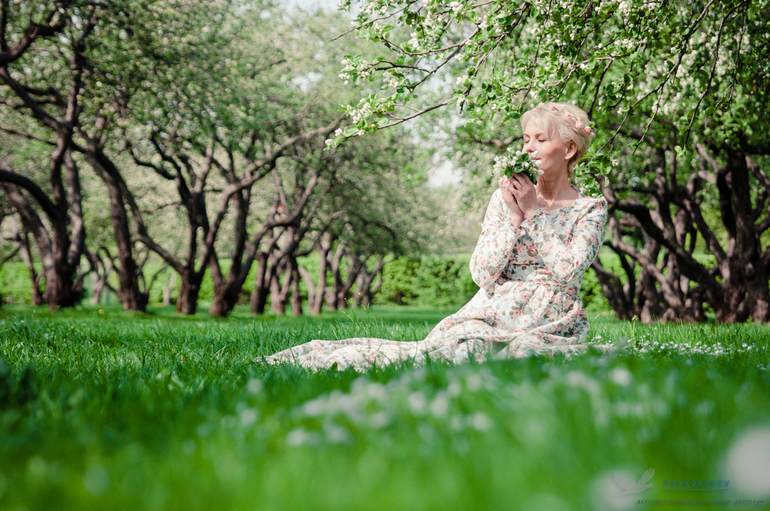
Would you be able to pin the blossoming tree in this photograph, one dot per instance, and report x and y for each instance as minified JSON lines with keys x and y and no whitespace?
{"x":676,"y":90}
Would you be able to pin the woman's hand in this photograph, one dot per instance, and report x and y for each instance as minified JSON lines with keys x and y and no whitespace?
{"x":506,"y":188}
{"x":525,"y":194}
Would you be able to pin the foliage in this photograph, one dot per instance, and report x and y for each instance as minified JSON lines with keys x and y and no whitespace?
{"x":504,"y":55}
{"x":677,"y":92}
{"x":16,"y":283}
{"x":147,"y":411}
{"x":398,"y":278}
{"x":442,"y":281}
{"x":428,"y":281}
{"x":204,"y":125}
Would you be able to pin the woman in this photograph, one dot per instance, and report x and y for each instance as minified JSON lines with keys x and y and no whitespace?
{"x":536,"y":242}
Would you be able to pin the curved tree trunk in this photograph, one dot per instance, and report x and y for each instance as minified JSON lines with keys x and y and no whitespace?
{"x":261,"y":283}
{"x":60,"y":290}
{"x":189,"y":289}
{"x":26,"y":256}
{"x":62,"y":247}
{"x":674,"y":285}
{"x":129,"y":292}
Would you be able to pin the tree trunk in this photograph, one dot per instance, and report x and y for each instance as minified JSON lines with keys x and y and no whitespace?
{"x":128,"y":290}
{"x":277,"y":303}
{"x":59,"y":283}
{"x":279,"y":292}
{"x":613,"y":290}
{"x":225,"y":297}
{"x":678,"y":288}
{"x":320,"y":288}
{"x":169,"y":284}
{"x":317,"y":291}
{"x":332,"y":292}
{"x":364,"y":288}
{"x":342,"y":288}
{"x":261,"y":283}
{"x":99,"y":281}
{"x":26,"y":256}
{"x":296,"y":298}
{"x":189,"y":288}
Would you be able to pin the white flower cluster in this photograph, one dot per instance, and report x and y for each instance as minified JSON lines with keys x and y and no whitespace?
{"x":625,"y":8}
{"x":372,"y":8}
{"x":371,"y":405}
{"x":646,"y":345}
{"x":519,"y":162}
{"x":457,"y":7}
{"x":392,"y":79}
{"x":355,"y":67}
{"x":337,"y":133}
{"x":361,"y":113}
{"x":414,"y":42}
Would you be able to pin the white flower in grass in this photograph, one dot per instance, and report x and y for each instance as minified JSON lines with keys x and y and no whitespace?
{"x":299,"y":437}
{"x":621,"y":376}
{"x":457,"y":423}
{"x":248,"y":417}
{"x":96,"y":480}
{"x":606,"y":495}
{"x":748,"y":463}
{"x":417,"y":402}
{"x":579,"y":379}
{"x":336,"y":434}
{"x":454,"y":388}
{"x":439,"y":407}
{"x":481,"y":421}
{"x":474,"y":382}
{"x":380,"y":419}
{"x":314,"y":408}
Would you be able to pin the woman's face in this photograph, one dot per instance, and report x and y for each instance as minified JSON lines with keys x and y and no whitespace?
{"x":553,"y":153}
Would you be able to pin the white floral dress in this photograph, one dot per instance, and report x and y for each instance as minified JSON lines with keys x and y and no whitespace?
{"x":528,"y":301}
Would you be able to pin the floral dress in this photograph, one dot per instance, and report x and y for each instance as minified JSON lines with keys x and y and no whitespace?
{"x":528,"y":301}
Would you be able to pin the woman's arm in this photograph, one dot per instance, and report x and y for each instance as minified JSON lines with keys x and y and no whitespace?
{"x":497,"y":240}
{"x":567,"y":261}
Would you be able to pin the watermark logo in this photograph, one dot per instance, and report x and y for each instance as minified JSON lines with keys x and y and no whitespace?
{"x":631,"y":487}
{"x":696,"y":485}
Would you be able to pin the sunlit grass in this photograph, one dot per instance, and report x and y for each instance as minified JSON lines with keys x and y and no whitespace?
{"x":108,"y":410}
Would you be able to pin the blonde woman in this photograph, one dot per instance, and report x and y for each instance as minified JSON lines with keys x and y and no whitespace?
{"x":536,"y":243}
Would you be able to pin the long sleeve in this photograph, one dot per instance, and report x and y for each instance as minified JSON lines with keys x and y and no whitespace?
{"x":497,"y":240}
{"x":567,"y":261}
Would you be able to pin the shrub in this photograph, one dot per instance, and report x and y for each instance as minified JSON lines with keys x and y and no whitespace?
{"x":15,"y":283}
{"x":432,"y":280}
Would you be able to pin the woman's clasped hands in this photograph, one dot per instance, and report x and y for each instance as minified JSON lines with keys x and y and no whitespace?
{"x":520,"y":195}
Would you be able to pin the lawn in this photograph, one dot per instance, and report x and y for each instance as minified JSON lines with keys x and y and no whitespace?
{"x":102,"y":409}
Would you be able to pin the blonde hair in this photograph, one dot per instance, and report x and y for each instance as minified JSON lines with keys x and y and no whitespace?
{"x":566,"y":121}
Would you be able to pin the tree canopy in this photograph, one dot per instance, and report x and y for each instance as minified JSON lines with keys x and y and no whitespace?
{"x":677,"y":91}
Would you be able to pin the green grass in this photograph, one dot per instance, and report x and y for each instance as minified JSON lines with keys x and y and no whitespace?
{"x":109,"y":410}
